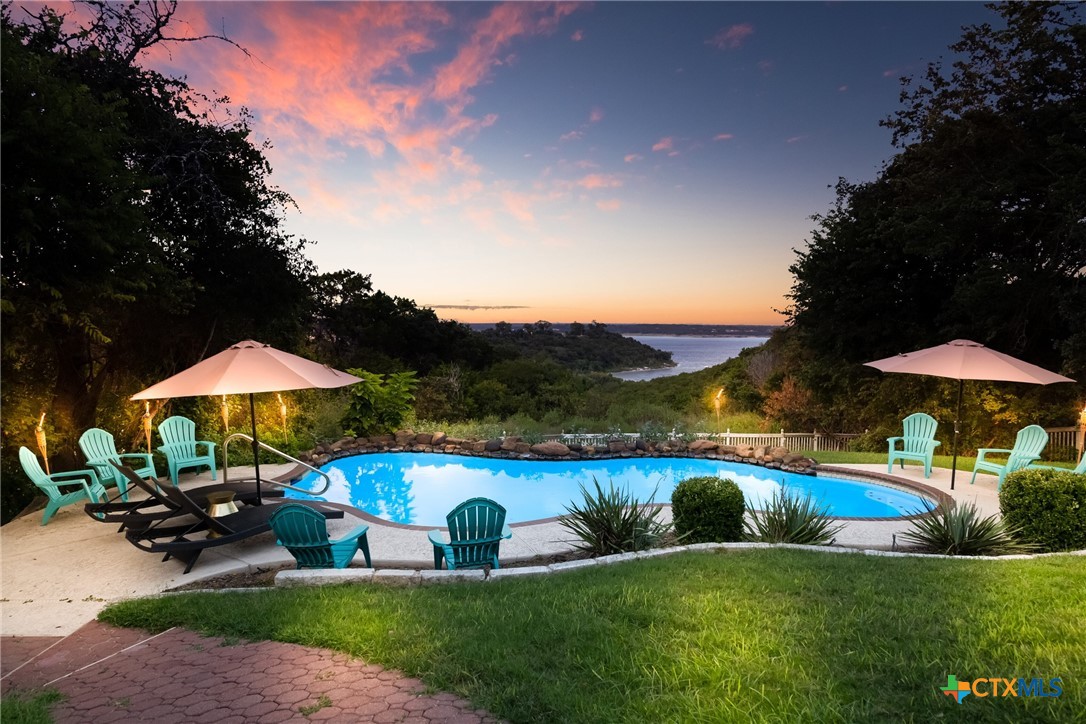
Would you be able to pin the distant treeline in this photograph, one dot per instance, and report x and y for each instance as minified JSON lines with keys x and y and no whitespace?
{"x":684,"y":330}
{"x":579,"y":347}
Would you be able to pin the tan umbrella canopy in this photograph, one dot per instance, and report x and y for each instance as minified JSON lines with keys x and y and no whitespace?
{"x":246,"y":368}
{"x":965,"y":360}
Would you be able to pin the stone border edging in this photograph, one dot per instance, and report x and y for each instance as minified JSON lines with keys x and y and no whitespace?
{"x":403,"y":578}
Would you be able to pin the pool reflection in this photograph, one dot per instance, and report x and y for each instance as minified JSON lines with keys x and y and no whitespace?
{"x":421,"y":489}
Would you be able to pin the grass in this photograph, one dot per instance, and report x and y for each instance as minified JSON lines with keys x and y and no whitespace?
{"x":760,"y":636}
{"x":26,"y":708}
{"x":829,"y":457}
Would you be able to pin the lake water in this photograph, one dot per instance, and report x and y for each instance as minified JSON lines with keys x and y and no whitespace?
{"x":690,"y":353}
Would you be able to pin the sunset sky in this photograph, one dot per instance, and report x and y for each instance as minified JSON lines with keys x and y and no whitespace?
{"x":624,"y":162}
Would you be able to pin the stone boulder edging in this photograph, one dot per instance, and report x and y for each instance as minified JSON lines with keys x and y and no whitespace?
{"x":513,"y":447}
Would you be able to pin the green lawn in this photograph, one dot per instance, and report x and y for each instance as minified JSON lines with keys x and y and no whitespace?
{"x":879,"y":458}
{"x":769,"y":635}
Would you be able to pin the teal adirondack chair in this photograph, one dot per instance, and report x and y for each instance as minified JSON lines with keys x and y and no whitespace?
{"x":917,"y":443}
{"x":1080,"y":469}
{"x":53,"y":485}
{"x":476,"y":529}
{"x":1027,"y":448}
{"x":304,"y":532}
{"x":182,"y":449}
{"x":100,"y":450}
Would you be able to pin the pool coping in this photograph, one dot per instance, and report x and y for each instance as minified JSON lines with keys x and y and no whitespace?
{"x":942,"y":500}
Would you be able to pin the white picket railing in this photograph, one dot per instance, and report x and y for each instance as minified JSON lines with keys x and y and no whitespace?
{"x":1063,"y":438}
{"x":815,"y":441}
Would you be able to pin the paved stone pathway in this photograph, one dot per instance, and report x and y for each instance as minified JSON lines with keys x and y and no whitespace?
{"x":109,"y":674}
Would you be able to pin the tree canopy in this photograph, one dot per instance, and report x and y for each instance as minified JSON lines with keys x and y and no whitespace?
{"x":139,"y":227}
{"x":976,"y":228}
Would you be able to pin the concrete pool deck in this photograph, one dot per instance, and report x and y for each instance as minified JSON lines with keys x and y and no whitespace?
{"x":56,"y":578}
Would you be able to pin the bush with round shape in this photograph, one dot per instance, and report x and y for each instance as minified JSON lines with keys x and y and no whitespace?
{"x":707,"y":510}
{"x":1047,"y":506}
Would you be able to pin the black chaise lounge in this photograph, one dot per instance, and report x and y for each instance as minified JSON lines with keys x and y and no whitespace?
{"x":157,"y":505}
{"x":190,"y":529}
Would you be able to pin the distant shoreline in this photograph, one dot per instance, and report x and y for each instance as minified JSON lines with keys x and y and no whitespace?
{"x":666,"y":330}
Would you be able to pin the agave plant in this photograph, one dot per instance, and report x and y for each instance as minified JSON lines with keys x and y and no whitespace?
{"x":788,"y":518}
{"x":960,"y":531}
{"x":614,"y":521}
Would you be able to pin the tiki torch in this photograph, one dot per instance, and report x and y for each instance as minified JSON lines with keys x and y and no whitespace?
{"x":39,"y":434}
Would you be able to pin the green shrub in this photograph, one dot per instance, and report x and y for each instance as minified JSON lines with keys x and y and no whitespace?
{"x":614,"y":522}
{"x":789,"y":518}
{"x":378,"y":404}
{"x":960,"y":531}
{"x":1047,"y":506}
{"x":873,"y":440}
{"x":708,"y":509}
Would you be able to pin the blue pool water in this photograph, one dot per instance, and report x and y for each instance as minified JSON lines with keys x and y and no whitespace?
{"x":420,"y":489}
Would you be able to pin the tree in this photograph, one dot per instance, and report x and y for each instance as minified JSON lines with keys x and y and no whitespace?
{"x":139,"y":228}
{"x":355,"y":325}
{"x":975,"y":228}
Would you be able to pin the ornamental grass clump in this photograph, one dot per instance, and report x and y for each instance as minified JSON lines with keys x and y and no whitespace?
{"x":789,"y":518}
{"x":708,"y":510}
{"x":1047,"y":507}
{"x":614,"y":521}
{"x":960,"y":531}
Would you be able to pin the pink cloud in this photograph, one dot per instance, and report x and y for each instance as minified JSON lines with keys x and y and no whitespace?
{"x":571,"y":136}
{"x":519,"y":206}
{"x":600,"y":181}
{"x":842,"y":88}
{"x":578,"y":36}
{"x":731,"y":37}
{"x":795,"y":139}
{"x":609,"y":205}
{"x":664,"y":144}
{"x":723,"y":137}
{"x":596,"y":115}
{"x":890,"y":72}
{"x":330,"y":78}
{"x":631,"y":157}
{"x":766,"y":66}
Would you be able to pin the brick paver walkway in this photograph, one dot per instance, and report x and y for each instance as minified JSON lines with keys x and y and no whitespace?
{"x":109,"y":674}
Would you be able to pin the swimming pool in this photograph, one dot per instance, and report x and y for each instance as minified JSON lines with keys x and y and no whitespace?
{"x":421,"y":488}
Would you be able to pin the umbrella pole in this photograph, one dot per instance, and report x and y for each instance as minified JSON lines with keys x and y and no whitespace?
{"x":256,"y":448}
{"x":957,"y":420}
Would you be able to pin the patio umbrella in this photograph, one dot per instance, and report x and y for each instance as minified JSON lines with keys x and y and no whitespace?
{"x":247,"y":368}
{"x":965,"y":360}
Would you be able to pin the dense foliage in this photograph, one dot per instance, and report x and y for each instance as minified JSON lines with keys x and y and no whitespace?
{"x":707,"y":509}
{"x":139,"y":227}
{"x":1048,"y":507}
{"x":378,"y":404}
{"x":584,"y":348}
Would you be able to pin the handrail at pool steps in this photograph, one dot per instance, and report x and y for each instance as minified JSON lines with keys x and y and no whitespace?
{"x":280,"y":453}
